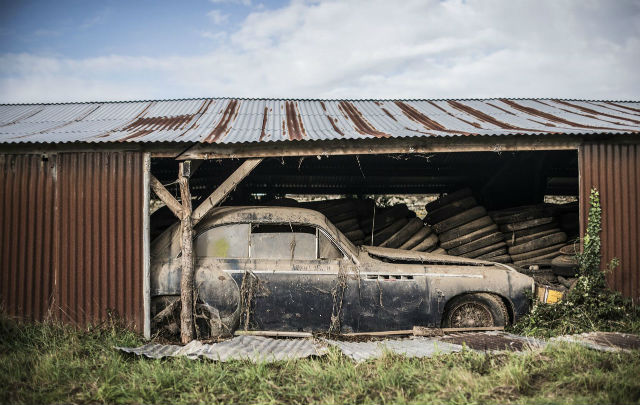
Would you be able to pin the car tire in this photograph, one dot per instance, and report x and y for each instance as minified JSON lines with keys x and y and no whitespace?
{"x":512,"y":241}
{"x":570,"y":250}
{"x":565,"y":266}
{"x":429,"y":242}
{"x":475,"y":310}
{"x":500,"y":259}
{"x":416,"y":238}
{"x":544,"y":260}
{"x":460,"y":219}
{"x":536,"y":253}
{"x":548,"y":240}
{"x":470,"y":237}
{"x":385,"y":233}
{"x":403,"y":234}
{"x":447,"y":199}
{"x":348,"y":225}
{"x":483,"y":251}
{"x":531,"y":231}
{"x":466,"y":228}
{"x":532,"y":223}
{"x":477,"y":244}
{"x":438,"y":251}
{"x":494,"y":253}
{"x":385,"y":218}
{"x":519,"y":214}
{"x":450,"y":210}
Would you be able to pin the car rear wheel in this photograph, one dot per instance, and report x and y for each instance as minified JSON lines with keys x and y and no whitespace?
{"x":474,"y":311}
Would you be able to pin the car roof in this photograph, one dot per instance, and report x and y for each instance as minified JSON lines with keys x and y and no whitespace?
{"x":225,"y":215}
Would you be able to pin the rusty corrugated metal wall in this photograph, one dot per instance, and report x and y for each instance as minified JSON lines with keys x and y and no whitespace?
{"x":71,"y":236}
{"x":614,"y":169}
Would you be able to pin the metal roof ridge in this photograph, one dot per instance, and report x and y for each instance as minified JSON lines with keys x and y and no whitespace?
{"x":320,"y":99}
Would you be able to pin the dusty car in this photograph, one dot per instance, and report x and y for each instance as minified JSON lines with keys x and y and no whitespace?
{"x":291,"y":269}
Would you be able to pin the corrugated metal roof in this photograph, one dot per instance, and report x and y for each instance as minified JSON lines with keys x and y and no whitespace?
{"x":232,"y":120}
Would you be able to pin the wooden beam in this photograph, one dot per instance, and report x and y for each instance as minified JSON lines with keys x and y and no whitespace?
{"x":186,"y":279}
{"x":225,"y":188}
{"x":165,"y":196}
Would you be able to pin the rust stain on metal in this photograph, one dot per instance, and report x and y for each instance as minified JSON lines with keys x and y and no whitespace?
{"x":594,"y":113}
{"x":334,"y":121}
{"x":362,"y":126}
{"x":550,"y":117}
{"x":637,"y":110}
{"x":501,"y":109}
{"x":264,"y":124}
{"x":294,"y":122}
{"x":23,"y":117}
{"x":420,"y":118}
{"x":388,"y":113}
{"x":483,"y":341}
{"x":614,"y":169}
{"x":324,"y":107}
{"x":203,"y":109}
{"x":68,"y":215}
{"x":228,"y":116}
{"x":484,"y":117}
{"x":62,"y":125}
{"x":472,"y":123}
{"x":140,"y":114}
{"x":156,"y":124}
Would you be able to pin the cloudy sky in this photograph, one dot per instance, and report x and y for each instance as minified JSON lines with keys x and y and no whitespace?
{"x":76,"y":50}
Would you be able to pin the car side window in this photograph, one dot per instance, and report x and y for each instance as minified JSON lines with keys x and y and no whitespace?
{"x":327,"y":249}
{"x":226,"y":241}
{"x":283,"y":241}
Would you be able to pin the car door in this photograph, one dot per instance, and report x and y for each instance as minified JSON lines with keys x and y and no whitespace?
{"x":296,"y":267}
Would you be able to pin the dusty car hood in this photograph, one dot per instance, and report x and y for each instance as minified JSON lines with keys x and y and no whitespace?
{"x":421,"y":257}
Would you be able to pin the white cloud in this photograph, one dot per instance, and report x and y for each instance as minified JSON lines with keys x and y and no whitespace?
{"x":217,"y":16}
{"x":371,"y":49}
{"x":243,"y":2}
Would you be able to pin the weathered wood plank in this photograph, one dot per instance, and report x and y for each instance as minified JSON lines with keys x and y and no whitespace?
{"x":186,"y":279}
{"x":165,"y":196}
{"x":220,"y":193}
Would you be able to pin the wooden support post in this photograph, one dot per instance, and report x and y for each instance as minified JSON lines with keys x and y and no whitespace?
{"x":165,"y":196}
{"x":186,"y":280}
{"x":220,"y":193}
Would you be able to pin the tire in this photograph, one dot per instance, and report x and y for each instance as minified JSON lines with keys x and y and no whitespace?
{"x":500,"y":259}
{"x":477,"y":244}
{"x":531,"y":231}
{"x":450,"y":210}
{"x":466,"y":228}
{"x":544,"y":260}
{"x":439,"y":251}
{"x":519,"y":214}
{"x":385,"y":233}
{"x":428,"y":243}
{"x":536,"y":253}
{"x":343,"y":217}
{"x":548,"y":240}
{"x":384,"y":218}
{"x":447,"y":199}
{"x":470,"y":237}
{"x":483,"y":251}
{"x":494,"y":253}
{"x":532,"y":223}
{"x":570,"y":250}
{"x":565,"y":266}
{"x":460,"y":219}
{"x":416,"y":238}
{"x":512,"y":241}
{"x":475,"y":310}
{"x":403,"y":234}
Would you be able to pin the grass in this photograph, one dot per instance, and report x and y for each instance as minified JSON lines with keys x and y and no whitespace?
{"x":50,"y":363}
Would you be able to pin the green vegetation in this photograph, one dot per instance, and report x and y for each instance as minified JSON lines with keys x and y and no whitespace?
{"x":590,"y":305}
{"x":49,"y":363}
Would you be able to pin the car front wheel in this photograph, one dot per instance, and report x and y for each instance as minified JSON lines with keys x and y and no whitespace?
{"x":474,"y":311}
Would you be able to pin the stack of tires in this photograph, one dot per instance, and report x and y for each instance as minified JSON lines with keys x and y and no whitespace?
{"x":532,"y":234}
{"x":465,"y":229}
{"x":345,"y":214}
{"x":398,"y":227}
